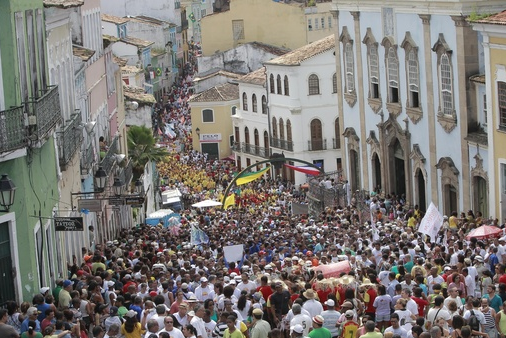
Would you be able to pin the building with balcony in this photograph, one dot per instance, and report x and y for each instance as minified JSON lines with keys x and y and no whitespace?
{"x":302,"y":97}
{"x":409,"y":116}
{"x":211,"y":113}
{"x":30,"y":112}
{"x":294,"y":25}
{"x":492,"y":78}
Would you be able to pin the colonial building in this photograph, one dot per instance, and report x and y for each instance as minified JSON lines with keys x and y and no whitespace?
{"x":408,"y":112}
{"x":493,"y":32}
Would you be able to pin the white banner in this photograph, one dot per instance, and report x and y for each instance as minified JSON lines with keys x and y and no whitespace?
{"x":431,"y":222}
{"x":233,"y":253}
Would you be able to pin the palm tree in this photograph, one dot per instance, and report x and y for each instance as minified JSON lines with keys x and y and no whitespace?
{"x":142,"y":149}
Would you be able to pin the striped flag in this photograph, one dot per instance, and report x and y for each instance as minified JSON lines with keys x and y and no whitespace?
{"x":249,"y":177}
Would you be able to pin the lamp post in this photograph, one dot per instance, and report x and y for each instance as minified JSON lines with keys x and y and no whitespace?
{"x":117,"y":187}
{"x":198,"y":132}
{"x":100,"y":179}
{"x":7,"y":192}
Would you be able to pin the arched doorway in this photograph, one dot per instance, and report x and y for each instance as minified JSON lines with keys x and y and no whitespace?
{"x":377,"y":171}
{"x":354,"y":170}
{"x":450,"y":199}
{"x":421,"y":198}
{"x":398,"y":175}
{"x":480,"y":195}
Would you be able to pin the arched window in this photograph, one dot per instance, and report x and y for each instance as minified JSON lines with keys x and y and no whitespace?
{"x":271,"y":83}
{"x":413,"y":80}
{"x":254,"y":103}
{"x":337,"y":133}
{"x":348,"y":63}
{"x":281,"y":129}
{"x":278,"y":84}
{"x":234,"y":110}
{"x":314,"y":84}
{"x":446,"y":84}
{"x":274,"y":126}
{"x":334,"y":83}
{"x":316,"y":135}
{"x":244,"y":102}
{"x":287,"y":89}
{"x":393,"y":76}
{"x":374,"y":71}
{"x":289,"y":135}
{"x":264,"y":104}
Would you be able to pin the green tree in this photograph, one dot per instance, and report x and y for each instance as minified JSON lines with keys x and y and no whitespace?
{"x":142,"y":149}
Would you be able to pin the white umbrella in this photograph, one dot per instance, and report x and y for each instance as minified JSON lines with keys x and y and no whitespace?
{"x":206,"y":204}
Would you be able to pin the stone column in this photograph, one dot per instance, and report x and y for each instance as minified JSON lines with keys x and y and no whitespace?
{"x":431,"y":116}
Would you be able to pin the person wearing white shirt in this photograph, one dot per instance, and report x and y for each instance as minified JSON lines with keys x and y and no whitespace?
{"x":330,"y":316}
{"x":313,"y":306}
{"x":198,"y":322}
{"x":203,"y":291}
{"x":299,"y":318}
{"x":246,"y":284}
{"x":433,"y":278}
{"x":170,"y":329}
{"x":470,"y":282}
{"x":476,"y":311}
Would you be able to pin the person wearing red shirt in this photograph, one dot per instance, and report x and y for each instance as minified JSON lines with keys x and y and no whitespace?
{"x":420,"y":300}
{"x":128,"y":282}
{"x":368,"y":293}
{"x":265,"y":288}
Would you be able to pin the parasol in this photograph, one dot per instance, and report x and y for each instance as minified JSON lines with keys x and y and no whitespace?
{"x":485,"y":231}
{"x":206,"y":204}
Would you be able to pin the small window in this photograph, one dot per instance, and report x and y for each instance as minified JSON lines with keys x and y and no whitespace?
{"x":278,"y":85}
{"x":501,"y":88}
{"x":485,"y":121}
{"x":330,"y":22}
{"x":287,"y":89}
{"x":271,"y":83}
{"x":238,"y":29}
{"x":309,"y":25}
{"x":447,"y":85}
{"x":314,"y":84}
{"x":393,"y":75}
{"x":334,"y":83}
{"x":323,"y":23}
{"x":374,"y":71}
{"x":254,"y":103}
{"x":316,"y":24}
{"x":244,"y":102}
{"x":264,"y":104}
{"x":234,"y":110}
{"x":207,"y":116}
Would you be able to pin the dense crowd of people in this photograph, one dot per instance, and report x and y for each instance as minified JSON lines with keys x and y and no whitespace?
{"x":386,"y":279}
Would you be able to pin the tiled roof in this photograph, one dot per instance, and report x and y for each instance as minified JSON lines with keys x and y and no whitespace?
{"x":497,"y":19}
{"x":84,"y":53}
{"x":138,"y":94}
{"x":256,"y":77}
{"x":120,"y":61}
{"x":269,"y":48}
{"x":137,"y":42}
{"x":219,"y":93}
{"x":63,"y":3}
{"x":217,"y":72}
{"x":299,"y":55}
{"x":114,"y":19}
{"x":130,"y":70}
{"x":148,"y":20}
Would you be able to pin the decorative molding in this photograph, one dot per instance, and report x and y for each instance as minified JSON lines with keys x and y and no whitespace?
{"x":369,"y":37}
{"x":394,"y":108}
{"x":409,"y":42}
{"x":375,"y":104}
{"x":388,"y":41}
{"x":418,"y":159}
{"x":478,"y":170}
{"x":460,"y":20}
{"x":345,"y":35}
{"x":448,"y":122}
{"x":350,"y":98}
{"x":353,"y":139}
{"x":356,"y":15}
{"x":425,"y":18}
{"x":449,"y":173}
{"x":414,"y":114}
{"x":296,"y":111}
{"x":441,"y":43}
{"x":335,"y":13}
{"x":374,"y":143}
{"x":392,"y":129}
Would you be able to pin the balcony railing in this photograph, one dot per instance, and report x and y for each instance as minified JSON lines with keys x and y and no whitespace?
{"x":317,"y":144}
{"x":283,"y":144}
{"x":69,"y":139}
{"x":110,"y":157}
{"x":44,"y":112}
{"x":12,"y":129}
{"x":126,"y":173}
{"x":87,"y":160}
{"x":251,"y":149}
{"x":336,"y":143}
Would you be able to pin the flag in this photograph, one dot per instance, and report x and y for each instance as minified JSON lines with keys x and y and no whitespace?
{"x":198,"y":236}
{"x":229,"y":201}
{"x":431,"y":222}
{"x":249,"y":177}
{"x":304,"y":169}
{"x":192,"y":17}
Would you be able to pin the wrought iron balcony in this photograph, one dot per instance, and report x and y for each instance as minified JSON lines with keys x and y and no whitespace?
{"x":126,"y":173}
{"x":45,"y":112}
{"x":109,"y":159}
{"x":69,"y":139}
{"x":317,"y":144}
{"x":282,"y":144}
{"x":251,"y":149}
{"x":13,"y":131}
{"x":87,"y":159}
{"x":336,"y":143}
{"x":236,"y":146}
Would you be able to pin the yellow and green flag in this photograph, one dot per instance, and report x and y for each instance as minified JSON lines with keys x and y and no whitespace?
{"x":249,"y":177}
{"x":229,"y":201}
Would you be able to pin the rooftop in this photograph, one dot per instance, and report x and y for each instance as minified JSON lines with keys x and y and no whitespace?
{"x":63,"y":3}
{"x":84,"y":53}
{"x":136,"y":42}
{"x":299,"y":55}
{"x":219,"y":93}
{"x":138,"y":94}
{"x":269,"y":48}
{"x":496,"y":19}
{"x":148,"y":20}
{"x":216,"y":72}
{"x":120,"y":61}
{"x":127,"y":69}
{"x":114,"y":19}
{"x":256,"y":77}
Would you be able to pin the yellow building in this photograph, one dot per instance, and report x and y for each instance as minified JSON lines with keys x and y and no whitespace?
{"x":493,"y":31}
{"x":211,"y":113}
{"x":288,"y":25}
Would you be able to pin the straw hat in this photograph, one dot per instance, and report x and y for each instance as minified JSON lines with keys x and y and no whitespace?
{"x":346,"y":280}
{"x":309,"y":294}
{"x":366,"y":282}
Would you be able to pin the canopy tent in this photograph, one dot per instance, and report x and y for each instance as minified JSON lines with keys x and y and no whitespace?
{"x":485,"y":231}
{"x":206,"y":204}
{"x":162,"y":214}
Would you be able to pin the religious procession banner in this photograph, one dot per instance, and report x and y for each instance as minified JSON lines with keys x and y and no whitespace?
{"x":431,"y":222}
{"x":249,"y":177}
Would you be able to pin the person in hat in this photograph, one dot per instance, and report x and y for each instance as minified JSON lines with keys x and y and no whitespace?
{"x":297,"y":331}
{"x":312,"y":305}
{"x":331,"y":316}
{"x":204,"y":290}
{"x":259,"y":327}
{"x":131,"y":327}
{"x":349,"y":327}
{"x":318,"y":330}
{"x":113,"y":318}
{"x":64,"y":296}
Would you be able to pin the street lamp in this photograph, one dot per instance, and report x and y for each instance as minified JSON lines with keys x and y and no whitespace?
{"x":198,"y":131}
{"x":100,"y":179}
{"x":7,"y":192}
{"x":117,"y":187}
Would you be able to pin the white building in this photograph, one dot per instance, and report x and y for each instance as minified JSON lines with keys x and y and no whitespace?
{"x":408,"y":108}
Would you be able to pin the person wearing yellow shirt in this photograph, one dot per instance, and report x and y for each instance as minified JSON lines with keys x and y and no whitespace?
{"x":453,"y":222}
